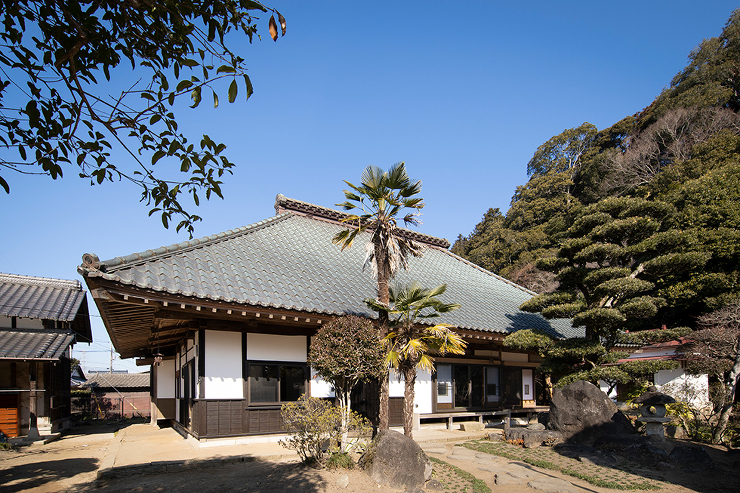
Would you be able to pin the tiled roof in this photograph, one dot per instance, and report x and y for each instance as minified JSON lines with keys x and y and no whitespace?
{"x":118,"y":380}
{"x":289,"y":262}
{"x":34,"y":344}
{"x":39,"y":297}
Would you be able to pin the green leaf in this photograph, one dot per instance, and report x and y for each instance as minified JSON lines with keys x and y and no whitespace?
{"x":250,"y":89}
{"x":195,"y":96}
{"x":4,"y":184}
{"x":158,"y":155}
{"x":183,"y":84}
{"x":232,"y":91}
{"x":215,"y":99}
{"x":225,"y":69}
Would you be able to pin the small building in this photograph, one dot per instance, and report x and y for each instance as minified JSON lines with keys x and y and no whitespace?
{"x":226,"y":322}
{"x":40,"y":320}
{"x":119,"y":395}
{"x":675,"y":382}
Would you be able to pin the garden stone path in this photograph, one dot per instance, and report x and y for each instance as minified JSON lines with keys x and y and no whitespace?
{"x":499,"y":471}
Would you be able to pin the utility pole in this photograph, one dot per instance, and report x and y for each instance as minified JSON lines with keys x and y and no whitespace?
{"x":111,"y":358}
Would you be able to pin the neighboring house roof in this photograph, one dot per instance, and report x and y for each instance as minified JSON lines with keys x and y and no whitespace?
{"x":47,"y":299}
{"x":117,"y":380}
{"x":289,"y":262}
{"x":34,"y":344}
{"x":39,"y":297}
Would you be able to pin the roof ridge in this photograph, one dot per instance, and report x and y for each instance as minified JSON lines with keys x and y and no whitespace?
{"x":40,"y":281}
{"x":90,"y":261}
{"x":507,"y":281}
{"x":283,"y":203}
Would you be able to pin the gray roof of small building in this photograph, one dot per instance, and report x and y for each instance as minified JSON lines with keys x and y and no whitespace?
{"x":34,"y":344}
{"x":40,"y":297}
{"x":117,"y":380}
{"x":289,"y":262}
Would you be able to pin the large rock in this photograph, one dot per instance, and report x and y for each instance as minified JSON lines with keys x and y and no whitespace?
{"x":396,"y":461}
{"x":641,"y":449}
{"x":692,"y":458}
{"x":581,"y":412}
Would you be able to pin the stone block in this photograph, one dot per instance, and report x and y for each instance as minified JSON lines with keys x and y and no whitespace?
{"x":471,"y":426}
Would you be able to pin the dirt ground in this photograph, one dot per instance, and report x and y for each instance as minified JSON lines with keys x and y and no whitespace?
{"x":70,"y":464}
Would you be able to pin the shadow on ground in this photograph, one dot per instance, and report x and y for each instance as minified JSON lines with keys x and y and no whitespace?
{"x":40,"y":473}
{"x":258,"y":476}
{"x":718,"y":473}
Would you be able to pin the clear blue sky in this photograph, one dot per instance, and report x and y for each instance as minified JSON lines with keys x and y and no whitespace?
{"x":463,"y":92}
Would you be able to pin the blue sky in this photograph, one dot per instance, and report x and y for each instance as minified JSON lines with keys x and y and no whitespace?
{"x":463,"y":92}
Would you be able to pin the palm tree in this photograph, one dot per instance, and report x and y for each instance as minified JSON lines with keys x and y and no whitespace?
{"x":411,"y":344}
{"x":378,"y":202}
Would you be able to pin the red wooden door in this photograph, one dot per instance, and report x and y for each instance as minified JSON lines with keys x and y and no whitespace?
{"x":9,"y":422}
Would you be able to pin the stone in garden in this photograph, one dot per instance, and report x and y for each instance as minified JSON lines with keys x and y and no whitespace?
{"x":692,"y":458}
{"x":653,"y":411}
{"x":536,"y":426}
{"x":434,"y":485}
{"x":342,"y":481}
{"x":585,"y":454}
{"x":533,"y":438}
{"x":582,"y":413}
{"x":494,"y":437}
{"x":637,"y":448}
{"x":396,"y":461}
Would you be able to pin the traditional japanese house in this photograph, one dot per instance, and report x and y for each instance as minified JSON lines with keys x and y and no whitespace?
{"x":40,"y":319}
{"x":119,"y":395}
{"x":226,"y":322}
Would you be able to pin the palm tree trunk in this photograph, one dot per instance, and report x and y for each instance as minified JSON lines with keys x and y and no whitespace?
{"x":384,"y":390}
{"x":384,"y":270}
{"x":409,"y":375}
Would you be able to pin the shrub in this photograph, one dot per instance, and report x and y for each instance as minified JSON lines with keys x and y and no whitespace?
{"x":340,"y":460}
{"x":314,"y":425}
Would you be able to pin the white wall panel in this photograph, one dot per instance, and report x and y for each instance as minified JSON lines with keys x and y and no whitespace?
{"x":320,"y":387}
{"x":166,"y":379}
{"x":269,"y":347}
{"x":223,"y":365}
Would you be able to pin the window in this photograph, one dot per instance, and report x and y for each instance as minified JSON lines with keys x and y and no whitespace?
{"x":275,"y":382}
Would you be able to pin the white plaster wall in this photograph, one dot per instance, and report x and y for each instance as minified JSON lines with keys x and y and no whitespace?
{"x":684,"y":387}
{"x":395,"y":384}
{"x":423,"y":392}
{"x":605,"y":386}
{"x":422,"y":389}
{"x":269,"y":347}
{"x":320,"y":387}
{"x":223,"y":371}
{"x":166,"y":379}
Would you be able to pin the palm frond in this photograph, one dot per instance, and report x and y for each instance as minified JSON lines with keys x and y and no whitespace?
{"x":372,"y":177}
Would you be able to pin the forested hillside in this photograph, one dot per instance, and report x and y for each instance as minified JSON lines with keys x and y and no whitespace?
{"x":637,"y":225}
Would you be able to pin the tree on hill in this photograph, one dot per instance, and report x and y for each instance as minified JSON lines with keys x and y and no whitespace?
{"x":379,"y":200}
{"x":345,"y":352}
{"x":410,"y":344}
{"x":608,"y":264}
{"x":711,"y":78}
{"x":57,"y":114}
